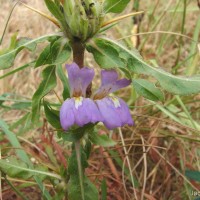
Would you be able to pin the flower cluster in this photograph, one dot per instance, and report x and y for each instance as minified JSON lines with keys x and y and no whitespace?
{"x":79,"y":110}
{"x":83,"y":18}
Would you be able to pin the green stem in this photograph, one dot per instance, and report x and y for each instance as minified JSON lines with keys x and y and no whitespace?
{"x":78,"y":156}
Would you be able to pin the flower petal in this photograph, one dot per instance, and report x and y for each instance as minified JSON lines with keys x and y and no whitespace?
{"x":79,"y":111}
{"x":87,"y":113}
{"x":110,"y":118}
{"x":79,"y":79}
{"x":124,"y":113}
{"x":115,"y":112}
{"x":108,"y":76}
{"x":67,"y":117}
{"x":110,"y":83}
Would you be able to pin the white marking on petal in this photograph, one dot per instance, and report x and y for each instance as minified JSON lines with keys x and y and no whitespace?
{"x":78,"y":101}
{"x":115,"y":101}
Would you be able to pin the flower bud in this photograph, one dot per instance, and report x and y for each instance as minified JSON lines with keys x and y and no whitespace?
{"x":84,"y":18}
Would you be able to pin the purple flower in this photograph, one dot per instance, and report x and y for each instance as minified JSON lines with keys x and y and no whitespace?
{"x":79,"y":110}
{"x":114,"y":110}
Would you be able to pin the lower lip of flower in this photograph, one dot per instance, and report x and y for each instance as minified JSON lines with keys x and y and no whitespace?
{"x":115,"y":101}
{"x":78,"y":102}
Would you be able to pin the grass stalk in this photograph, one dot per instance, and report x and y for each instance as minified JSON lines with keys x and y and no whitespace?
{"x":181,"y":40}
{"x":7,"y":21}
{"x":13,"y":187}
{"x":128,"y":161}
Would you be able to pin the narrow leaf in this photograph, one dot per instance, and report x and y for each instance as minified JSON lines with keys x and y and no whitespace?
{"x":54,"y":9}
{"x":103,"y":190}
{"x":51,"y":116}
{"x":16,"y":70}
{"x":194,"y":175}
{"x":15,"y":143}
{"x":63,"y":78}
{"x":47,"y":84}
{"x":102,"y":140}
{"x":115,"y":6}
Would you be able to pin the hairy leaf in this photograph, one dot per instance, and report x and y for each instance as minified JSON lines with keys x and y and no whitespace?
{"x":57,"y":52}
{"x":7,"y":59}
{"x":15,"y":168}
{"x":148,"y":90}
{"x":110,"y":54}
{"x":74,"y":187}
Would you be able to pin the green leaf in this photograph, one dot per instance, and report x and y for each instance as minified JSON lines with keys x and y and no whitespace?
{"x":21,"y":105}
{"x":74,"y":187}
{"x":57,"y":52}
{"x":44,"y":57}
{"x":22,"y":123}
{"x":63,"y":78}
{"x":17,"y":70}
{"x":194,"y":175}
{"x":115,"y":6}
{"x":54,"y":9}
{"x":15,"y":143}
{"x":47,"y":84}
{"x":22,"y":155}
{"x":102,"y":140}
{"x":24,"y":41}
{"x":106,"y":58}
{"x":88,"y":148}
{"x":112,"y":54}
{"x":7,"y":59}
{"x":51,"y":116}
{"x":91,"y":192}
{"x":103,"y":190}
{"x":15,"y":172}
{"x":13,"y":168}
{"x":75,"y":134}
{"x":148,"y":90}
{"x":13,"y":44}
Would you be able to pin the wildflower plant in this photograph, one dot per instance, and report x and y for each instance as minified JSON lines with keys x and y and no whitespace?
{"x":81,"y":113}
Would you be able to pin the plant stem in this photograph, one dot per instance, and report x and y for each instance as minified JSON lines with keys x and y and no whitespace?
{"x":78,"y":57}
{"x":78,"y":52}
{"x":78,"y":156}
